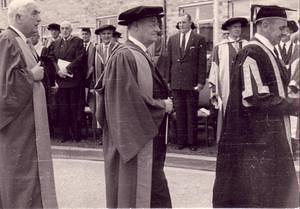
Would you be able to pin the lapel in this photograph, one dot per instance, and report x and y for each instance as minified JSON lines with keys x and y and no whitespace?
{"x":177,"y":44}
{"x":189,"y":43}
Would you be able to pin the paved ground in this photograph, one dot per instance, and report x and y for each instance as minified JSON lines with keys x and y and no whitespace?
{"x":80,"y":184}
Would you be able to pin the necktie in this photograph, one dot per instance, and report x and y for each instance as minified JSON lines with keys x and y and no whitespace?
{"x":85,"y":45}
{"x":32,"y":49}
{"x":149,"y":55}
{"x":284,"y":54}
{"x":182,"y":45}
{"x":236,"y":45}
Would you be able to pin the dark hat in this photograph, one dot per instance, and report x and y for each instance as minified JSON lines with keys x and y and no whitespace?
{"x":234,"y":20}
{"x":193,"y":26}
{"x":292,"y":25}
{"x":268,"y":11}
{"x":104,"y":27}
{"x":136,"y":13}
{"x":117,"y":34}
{"x":53,"y":26}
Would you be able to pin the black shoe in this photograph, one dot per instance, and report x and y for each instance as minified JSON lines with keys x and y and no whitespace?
{"x":63,"y":140}
{"x":180,"y":147}
{"x":193,"y":148}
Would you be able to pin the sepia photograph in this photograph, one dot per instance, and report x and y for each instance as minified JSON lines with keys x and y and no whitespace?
{"x":149,"y":104}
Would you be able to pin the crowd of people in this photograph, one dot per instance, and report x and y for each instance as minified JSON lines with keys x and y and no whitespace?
{"x":254,"y":85}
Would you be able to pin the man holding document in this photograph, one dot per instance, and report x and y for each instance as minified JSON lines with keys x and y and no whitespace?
{"x":68,"y":52}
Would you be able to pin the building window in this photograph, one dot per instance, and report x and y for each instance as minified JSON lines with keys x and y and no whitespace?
{"x":202,"y":16}
{"x":4,"y":3}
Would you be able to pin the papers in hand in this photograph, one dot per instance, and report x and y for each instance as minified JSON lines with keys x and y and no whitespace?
{"x":62,"y":64}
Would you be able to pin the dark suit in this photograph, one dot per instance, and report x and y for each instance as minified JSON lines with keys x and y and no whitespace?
{"x":70,"y":95}
{"x":49,"y":83}
{"x":186,"y":71}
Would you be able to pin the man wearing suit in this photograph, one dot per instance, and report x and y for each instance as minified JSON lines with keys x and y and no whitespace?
{"x":105,"y":48}
{"x":69,"y":52}
{"x":187,"y":73}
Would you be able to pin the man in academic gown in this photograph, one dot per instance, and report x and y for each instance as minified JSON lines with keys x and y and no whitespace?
{"x":26,"y":171}
{"x":105,"y":48}
{"x":68,"y":52}
{"x":255,"y":167}
{"x":223,"y":57}
{"x":136,"y":102}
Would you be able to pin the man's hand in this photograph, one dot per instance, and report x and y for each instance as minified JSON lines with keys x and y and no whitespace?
{"x":199,"y":87}
{"x":168,"y":105}
{"x":37,"y":72}
{"x":63,"y":73}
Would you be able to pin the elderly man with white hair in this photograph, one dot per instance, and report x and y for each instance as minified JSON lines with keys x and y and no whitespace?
{"x":26,"y":170}
{"x":69,"y":52}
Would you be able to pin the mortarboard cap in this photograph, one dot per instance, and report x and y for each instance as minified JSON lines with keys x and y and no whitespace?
{"x":234,"y":20}
{"x":53,"y":26}
{"x":292,"y":25}
{"x":261,"y":12}
{"x":140,"y":12}
{"x":104,"y":27}
{"x":85,"y":29}
{"x":117,"y":34}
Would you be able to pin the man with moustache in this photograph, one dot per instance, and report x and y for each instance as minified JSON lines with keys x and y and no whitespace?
{"x":136,"y":102}
{"x":187,"y":75}
{"x":255,"y":167}
{"x":26,"y":170}
{"x":68,"y":52}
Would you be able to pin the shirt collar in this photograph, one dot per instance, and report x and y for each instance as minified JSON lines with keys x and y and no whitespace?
{"x":265,"y":41}
{"x":138,"y":43}
{"x":287,"y":44}
{"x":187,"y":34}
{"x":233,"y":40}
{"x":108,"y":45}
{"x":23,"y":37}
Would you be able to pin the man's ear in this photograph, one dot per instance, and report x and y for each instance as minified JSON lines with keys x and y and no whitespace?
{"x":18,"y":18}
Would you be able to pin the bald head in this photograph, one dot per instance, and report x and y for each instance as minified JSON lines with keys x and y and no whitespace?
{"x":66,"y":29}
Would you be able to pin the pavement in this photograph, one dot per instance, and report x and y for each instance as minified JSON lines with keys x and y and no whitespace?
{"x":80,"y":185}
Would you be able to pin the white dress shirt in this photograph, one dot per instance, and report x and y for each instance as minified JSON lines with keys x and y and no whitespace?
{"x":187,"y":36}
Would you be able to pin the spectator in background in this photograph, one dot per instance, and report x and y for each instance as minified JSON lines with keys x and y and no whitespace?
{"x":117,"y":35}
{"x":26,"y":174}
{"x":286,"y":48}
{"x":187,"y":75}
{"x":69,"y":52}
{"x":223,"y":57}
{"x":105,"y":48}
{"x":54,"y":29}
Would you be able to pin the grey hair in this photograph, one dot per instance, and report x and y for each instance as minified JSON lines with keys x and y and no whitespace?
{"x":18,"y":7}
{"x":68,"y":23}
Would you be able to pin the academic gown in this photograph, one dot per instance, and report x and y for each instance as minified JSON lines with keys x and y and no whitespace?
{"x":26,"y":171}
{"x":133,"y":140}
{"x":254,"y":164}
{"x":223,"y":57}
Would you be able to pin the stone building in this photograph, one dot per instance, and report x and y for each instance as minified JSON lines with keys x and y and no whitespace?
{"x":208,"y":15}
